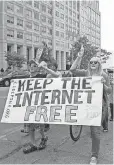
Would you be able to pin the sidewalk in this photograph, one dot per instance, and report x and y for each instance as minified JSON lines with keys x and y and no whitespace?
{"x":60,"y":149}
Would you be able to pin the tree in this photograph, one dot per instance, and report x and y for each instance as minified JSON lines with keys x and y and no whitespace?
{"x":89,"y":51}
{"x":105,"y":55}
{"x":14,"y":59}
{"x":47,"y":55}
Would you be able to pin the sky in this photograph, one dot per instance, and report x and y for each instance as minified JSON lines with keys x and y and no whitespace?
{"x":107,"y":24}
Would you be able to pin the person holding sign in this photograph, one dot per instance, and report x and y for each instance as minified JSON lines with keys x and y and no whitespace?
{"x":94,"y":69}
{"x":35,"y":73}
{"x":51,"y":69}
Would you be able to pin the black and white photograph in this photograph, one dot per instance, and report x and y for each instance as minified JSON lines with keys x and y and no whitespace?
{"x":56,"y":81}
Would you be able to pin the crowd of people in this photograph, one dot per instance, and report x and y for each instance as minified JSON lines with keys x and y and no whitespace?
{"x":51,"y":71}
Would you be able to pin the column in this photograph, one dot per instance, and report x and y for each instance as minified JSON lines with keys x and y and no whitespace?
{"x":63,"y":60}
{"x":58,"y":58}
{"x":5,"y":65}
{"x":31,"y":54}
{"x":24,"y":53}
{"x":3,"y":51}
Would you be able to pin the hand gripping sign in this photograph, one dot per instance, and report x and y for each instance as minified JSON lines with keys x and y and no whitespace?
{"x":72,"y":101}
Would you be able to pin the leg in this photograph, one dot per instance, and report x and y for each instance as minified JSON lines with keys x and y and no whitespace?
{"x":105,"y":118}
{"x":95,"y":135}
{"x":111,"y":111}
{"x":32,"y":147}
{"x":47,"y":127}
{"x":26,"y":128}
{"x":44,"y":138}
{"x":32,"y":137}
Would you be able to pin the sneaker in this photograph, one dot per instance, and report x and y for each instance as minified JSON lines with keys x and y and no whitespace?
{"x":43,"y":143}
{"x":93,"y":161}
{"x":47,"y":127}
{"x":24,"y":131}
{"x":105,"y":130}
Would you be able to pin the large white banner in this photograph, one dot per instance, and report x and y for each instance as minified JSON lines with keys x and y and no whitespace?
{"x":72,"y":101}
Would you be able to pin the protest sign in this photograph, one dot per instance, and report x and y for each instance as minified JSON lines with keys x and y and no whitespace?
{"x":39,"y":53}
{"x":72,"y":101}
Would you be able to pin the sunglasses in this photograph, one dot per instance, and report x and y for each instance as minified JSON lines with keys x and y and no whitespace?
{"x":93,"y":62}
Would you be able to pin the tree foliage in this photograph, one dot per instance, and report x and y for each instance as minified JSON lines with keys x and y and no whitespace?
{"x":89,"y":51}
{"x":14,"y":59}
{"x":47,"y":54}
{"x":105,"y":54}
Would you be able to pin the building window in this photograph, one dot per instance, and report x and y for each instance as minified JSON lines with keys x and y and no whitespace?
{"x":62,"y":35}
{"x":66,"y":9}
{"x":49,"y":42}
{"x":44,"y":40}
{"x":29,"y":25}
{"x":57,"y":13}
{"x":19,"y":49}
{"x":19,"y":9}
{"x":78,"y":17}
{"x":66,"y":18}
{"x":57,"y":23}
{"x":29,"y":13}
{"x":36,"y":15}
{"x":70,"y":28}
{"x":49,"y":11}
{"x":50,"y":2}
{"x":43,"y":18}
{"x":36,"y":4}
{"x":62,"y":25}
{"x":70,"y":11}
{"x":36,"y":38}
{"x":57,"y":33}
{"x":29,"y":37}
{"x":62,"y":7}
{"x":74,"y":5}
{"x":10,"y":19}
{"x":57,"y":4}
{"x":62,"y":16}
{"x":50,"y":21}
{"x":21,"y":1}
{"x":74,"y":14}
{"x":10,"y":33}
{"x":20,"y":35}
{"x":43,"y":7}
{"x":10,"y":6}
{"x":70,"y":3}
{"x":49,"y":31}
{"x":43,"y":29}
{"x":29,"y":2}
{"x":78,"y":5}
{"x":57,"y":43}
{"x":19,"y":22}
{"x":62,"y":44}
{"x":70,"y":20}
{"x":74,"y":23}
{"x":36,"y":27}
{"x":9,"y":48}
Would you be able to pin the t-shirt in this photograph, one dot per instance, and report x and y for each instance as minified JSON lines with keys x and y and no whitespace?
{"x":51,"y":76}
{"x":39,"y":76}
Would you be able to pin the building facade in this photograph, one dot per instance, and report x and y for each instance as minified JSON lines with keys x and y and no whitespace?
{"x":25,"y":24}
{"x":90,"y":22}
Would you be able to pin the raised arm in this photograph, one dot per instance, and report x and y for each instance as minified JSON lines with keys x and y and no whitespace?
{"x":49,"y":71}
{"x":77,"y":62}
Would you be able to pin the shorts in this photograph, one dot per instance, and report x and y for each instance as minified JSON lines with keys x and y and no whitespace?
{"x":32,"y":127}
